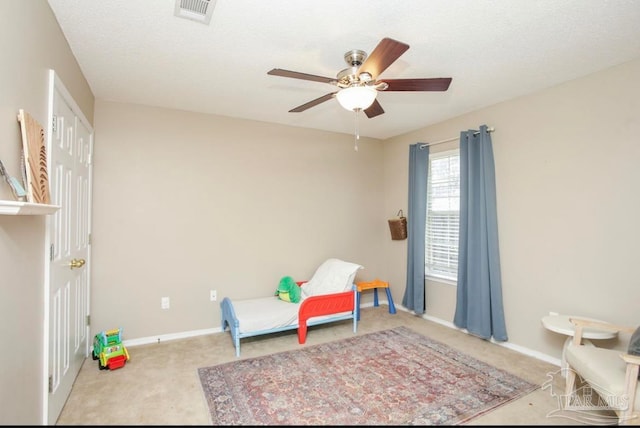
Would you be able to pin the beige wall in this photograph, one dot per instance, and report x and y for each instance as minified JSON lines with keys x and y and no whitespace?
{"x":31,"y":44}
{"x":185,"y":203}
{"x":568,"y":207}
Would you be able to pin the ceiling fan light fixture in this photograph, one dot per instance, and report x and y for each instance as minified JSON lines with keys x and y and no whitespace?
{"x":356,"y":98}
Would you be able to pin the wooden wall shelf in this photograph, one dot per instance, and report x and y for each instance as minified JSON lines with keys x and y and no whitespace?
{"x":26,"y":208}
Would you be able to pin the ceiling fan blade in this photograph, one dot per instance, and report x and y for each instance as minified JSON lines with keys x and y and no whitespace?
{"x":435,"y":84}
{"x":315,"y":102}
{"x":303,"y":76}
{"x":387,"y":51}
{"x":374,"y":109}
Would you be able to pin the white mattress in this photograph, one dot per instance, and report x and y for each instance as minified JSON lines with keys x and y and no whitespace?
{"x":265,"y":313}
{"x":268,"y":313}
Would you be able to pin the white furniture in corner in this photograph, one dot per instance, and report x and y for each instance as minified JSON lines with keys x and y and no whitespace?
{"x":561,"y":324}
{"x":611,"y":373}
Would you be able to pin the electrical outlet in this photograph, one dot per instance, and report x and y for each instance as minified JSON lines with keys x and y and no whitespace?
{"x":213,"y":295}
{"x":165,"y":303}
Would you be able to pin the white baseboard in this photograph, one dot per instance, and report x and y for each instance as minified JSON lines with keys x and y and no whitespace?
{"x":172,"y":336}
{"x":518,"y":348}
{"x":512,"y":346}
{"x":186,"y":334}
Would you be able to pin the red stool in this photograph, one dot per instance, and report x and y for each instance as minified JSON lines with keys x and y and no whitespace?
{"x":375,"y":284}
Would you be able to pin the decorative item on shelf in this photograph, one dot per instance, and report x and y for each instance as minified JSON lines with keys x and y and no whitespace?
{"x":398,"y":227}
{"x":18,"y":191}
{"x":35,"y":159}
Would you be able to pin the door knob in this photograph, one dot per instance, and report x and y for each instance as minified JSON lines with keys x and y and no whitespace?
{"x":76,"y":263}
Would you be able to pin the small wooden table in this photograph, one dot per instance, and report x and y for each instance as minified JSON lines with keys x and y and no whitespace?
{"x":375,"y":284}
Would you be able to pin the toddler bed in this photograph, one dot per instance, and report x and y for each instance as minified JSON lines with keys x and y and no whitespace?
{"x":329,"y":296}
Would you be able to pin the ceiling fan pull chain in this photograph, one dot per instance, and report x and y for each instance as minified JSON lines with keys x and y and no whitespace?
{"x":357,"y":133}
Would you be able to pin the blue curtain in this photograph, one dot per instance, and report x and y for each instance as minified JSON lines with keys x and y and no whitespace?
{"x":479,"y":307}
{"x":414,"y":299}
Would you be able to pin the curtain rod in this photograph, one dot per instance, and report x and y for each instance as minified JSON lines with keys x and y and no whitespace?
{"x":451,"y":139}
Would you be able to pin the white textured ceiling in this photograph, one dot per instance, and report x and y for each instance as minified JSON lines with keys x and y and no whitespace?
{"x":137,"y":51}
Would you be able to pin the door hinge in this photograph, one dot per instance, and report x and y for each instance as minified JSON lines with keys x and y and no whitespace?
{"x":54,"y":123}
{"x":89,"y":239}
{"x":88,"y":320}
{"x":50,"y":384}
{"x":51,"y":253}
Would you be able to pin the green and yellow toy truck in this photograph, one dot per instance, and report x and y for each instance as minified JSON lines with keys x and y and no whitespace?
{"x":109,"y":350}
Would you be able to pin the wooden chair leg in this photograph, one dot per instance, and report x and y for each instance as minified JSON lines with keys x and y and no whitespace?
{"x":570,"y":384}
{"x":631,"y":380}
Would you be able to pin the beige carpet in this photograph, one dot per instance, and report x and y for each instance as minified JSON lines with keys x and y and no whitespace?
{"x":160,"y":384}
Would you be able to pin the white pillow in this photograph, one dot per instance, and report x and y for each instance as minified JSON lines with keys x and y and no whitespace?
{"x":333,"y":276}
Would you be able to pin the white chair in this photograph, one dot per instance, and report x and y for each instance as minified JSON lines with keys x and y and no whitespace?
{"x":613,"y":374}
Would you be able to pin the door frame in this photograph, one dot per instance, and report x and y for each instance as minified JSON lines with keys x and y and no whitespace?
{"x":55,"y":84}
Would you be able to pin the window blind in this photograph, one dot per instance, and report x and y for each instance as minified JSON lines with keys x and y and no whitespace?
{"x":443,"y":215}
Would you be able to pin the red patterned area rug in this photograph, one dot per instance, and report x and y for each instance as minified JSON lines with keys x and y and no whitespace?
{"x":391,"y":377}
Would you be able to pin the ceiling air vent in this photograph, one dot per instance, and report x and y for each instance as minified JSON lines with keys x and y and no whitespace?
{"x":196,"y":10}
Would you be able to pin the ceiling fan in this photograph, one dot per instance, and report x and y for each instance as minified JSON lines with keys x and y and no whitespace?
{"x":359,"y":82}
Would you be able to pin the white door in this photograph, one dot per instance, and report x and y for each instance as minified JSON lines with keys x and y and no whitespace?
{"x":69,"y":229}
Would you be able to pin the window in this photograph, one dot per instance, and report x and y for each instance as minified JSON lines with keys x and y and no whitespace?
{"x":443,"y":215}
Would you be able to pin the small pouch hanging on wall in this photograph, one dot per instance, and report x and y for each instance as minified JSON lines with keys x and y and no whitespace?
{"x":398,"y":227}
